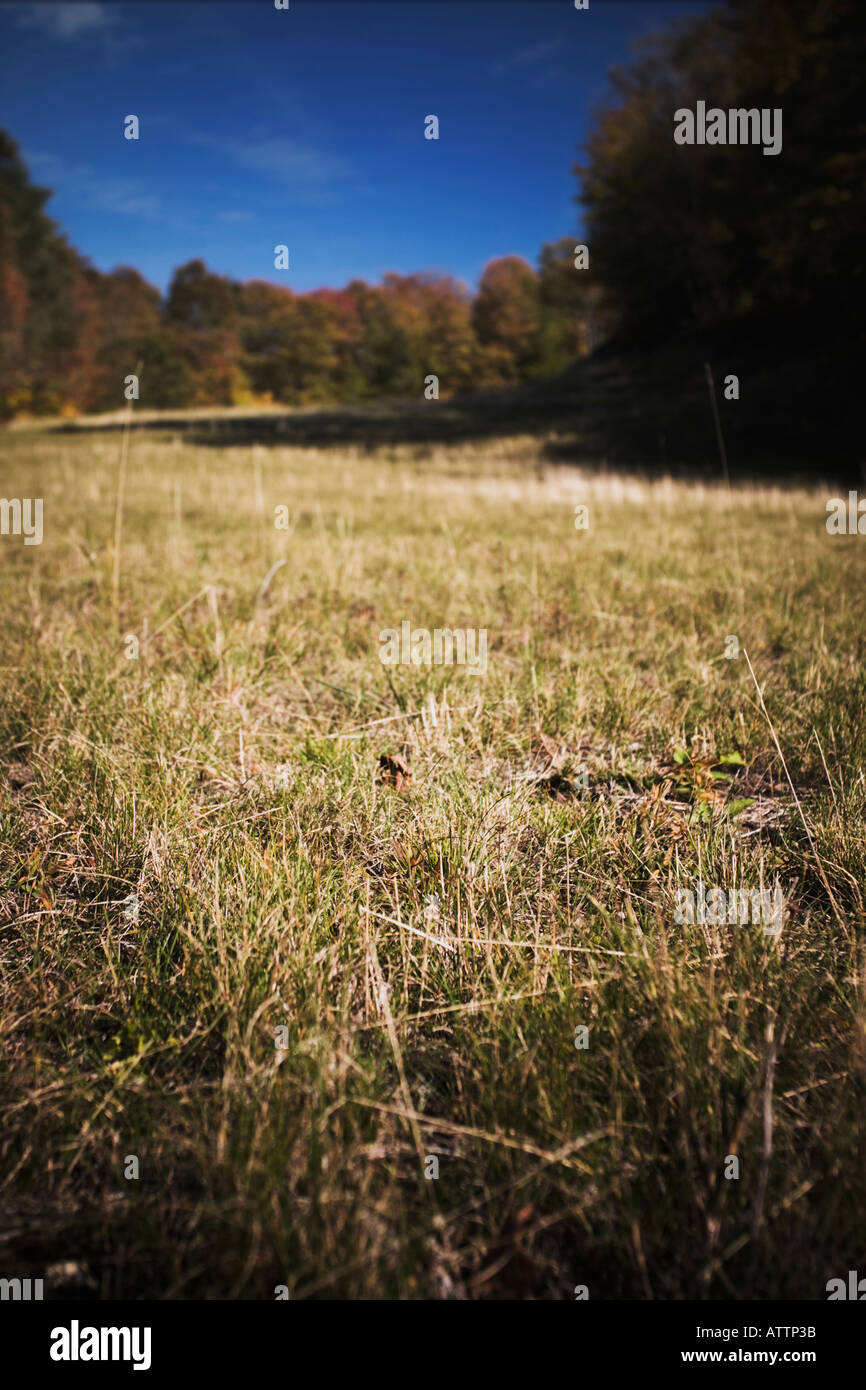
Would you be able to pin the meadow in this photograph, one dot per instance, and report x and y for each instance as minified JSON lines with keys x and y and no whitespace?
{"x":296,"y":930}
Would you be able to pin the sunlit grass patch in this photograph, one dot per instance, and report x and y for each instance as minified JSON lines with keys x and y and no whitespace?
{"x":201,"y":849}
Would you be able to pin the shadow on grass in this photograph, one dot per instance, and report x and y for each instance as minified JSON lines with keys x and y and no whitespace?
{"x":795,"y":420}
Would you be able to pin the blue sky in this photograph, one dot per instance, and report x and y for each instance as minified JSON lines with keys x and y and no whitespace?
{"x":305,"y":127}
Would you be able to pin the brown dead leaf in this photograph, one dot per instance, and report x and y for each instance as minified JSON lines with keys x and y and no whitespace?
{"x":394,"y":772}
{"x":546,"y":749}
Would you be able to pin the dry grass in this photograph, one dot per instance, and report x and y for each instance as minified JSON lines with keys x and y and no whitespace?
{"x":431,"y":942}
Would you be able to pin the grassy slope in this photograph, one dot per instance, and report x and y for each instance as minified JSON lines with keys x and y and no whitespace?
{"x":264,"y":905}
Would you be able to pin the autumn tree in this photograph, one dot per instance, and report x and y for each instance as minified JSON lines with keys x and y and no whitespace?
{"x":696,"y":235}
{"x":449,"y":346}
{"x":506,"y":317}
{"x":202,"y":313}
{"x":43,"y":289}
{"x":574,"y":317}
{"x":125,"y":329}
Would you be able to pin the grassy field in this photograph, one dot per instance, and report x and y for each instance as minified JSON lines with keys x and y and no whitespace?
{"x":242,"y":822}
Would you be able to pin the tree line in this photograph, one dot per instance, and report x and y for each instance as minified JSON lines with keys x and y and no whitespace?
{"x":70,"y":333}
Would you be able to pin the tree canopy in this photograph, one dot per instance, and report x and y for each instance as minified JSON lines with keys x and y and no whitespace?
{"x":687,"y":236}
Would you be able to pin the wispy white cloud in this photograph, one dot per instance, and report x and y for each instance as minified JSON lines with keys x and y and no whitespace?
{"x":309,"y":172}
{"x":83,"y":184}
{"x":107,"y":30}
{"x":65,"y":21}
{"x":121,"y":196}
{"x":289,"y":160}
{"x":525,"y":57}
